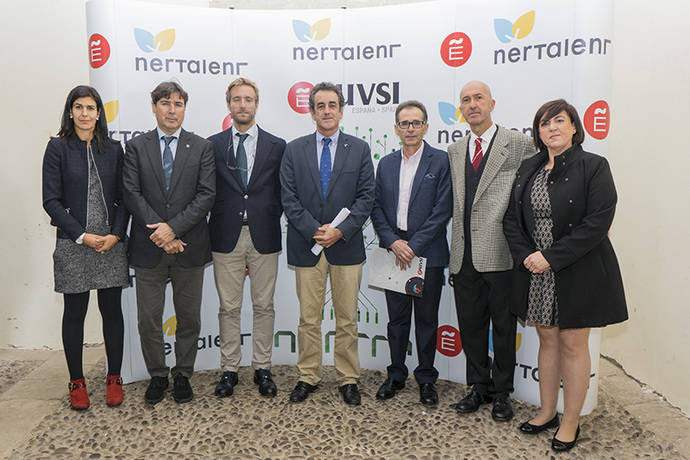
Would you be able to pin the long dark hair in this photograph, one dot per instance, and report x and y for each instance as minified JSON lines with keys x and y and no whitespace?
{"x":100,"y":132}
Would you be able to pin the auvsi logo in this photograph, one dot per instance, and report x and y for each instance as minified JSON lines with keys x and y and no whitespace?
{"x":507,"y":31}
{"x":306,"y":33}
{"x":450,"y":114}
{"x":163,"y":41}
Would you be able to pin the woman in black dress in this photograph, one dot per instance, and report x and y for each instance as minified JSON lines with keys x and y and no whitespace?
{"x":566,"y":276}
{"x":82,"y":194}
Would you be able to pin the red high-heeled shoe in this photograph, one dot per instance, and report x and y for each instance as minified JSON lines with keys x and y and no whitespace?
{"x":78,"y":397}
{"x":113,"y":390}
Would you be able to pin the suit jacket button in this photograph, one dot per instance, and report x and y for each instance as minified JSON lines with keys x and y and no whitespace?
{"x":246,"y":196}
{"x":571,"y":201}
{"x":570,"y":225}
{"x":566,"y":179}
{"x":167,"y":205}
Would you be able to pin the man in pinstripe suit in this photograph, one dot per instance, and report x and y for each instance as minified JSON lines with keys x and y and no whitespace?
{"x":483,"y":166}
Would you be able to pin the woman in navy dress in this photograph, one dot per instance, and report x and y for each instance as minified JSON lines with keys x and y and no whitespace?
{"x":82,"y":194}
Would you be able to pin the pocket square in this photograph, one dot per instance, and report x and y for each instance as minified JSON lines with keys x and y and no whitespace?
{"x":429,"y":176}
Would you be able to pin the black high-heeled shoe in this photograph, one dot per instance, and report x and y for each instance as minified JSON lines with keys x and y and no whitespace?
{"x":562,"y":446}
{"x":528,"y":428}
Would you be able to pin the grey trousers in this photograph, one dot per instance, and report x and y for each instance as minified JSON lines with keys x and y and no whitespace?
{"x":186,"y":285}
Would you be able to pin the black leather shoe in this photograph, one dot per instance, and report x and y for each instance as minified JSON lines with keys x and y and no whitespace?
{"x":503,"y":409}
{"x":562,"y":446}
{"x":182,"y":390}
{"x":471,"y":402}
{"x":301,"y":391}
{"x":351,"y":394}
{"x":389,"y":388}
{"x":264,"y":379}
{"x":226,"y":384}
{"x":156,"y":390}
{"x":427,"y":394}
{"x":528,"y":428}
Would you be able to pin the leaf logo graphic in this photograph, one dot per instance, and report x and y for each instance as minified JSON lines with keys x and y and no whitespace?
{"x":170,"y":326}
{"x":306,"y":33}
{"x":450,"y":114}
{"x":163,"y":41}
{"x":506,"y":31}
{"x":111,"y":110}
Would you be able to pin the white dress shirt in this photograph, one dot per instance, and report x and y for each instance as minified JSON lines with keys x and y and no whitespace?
{"x":249,"y":146}
{"x":486,"y":140}
{"x":408,"y":169}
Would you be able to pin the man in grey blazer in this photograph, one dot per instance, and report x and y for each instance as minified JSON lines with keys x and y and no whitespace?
{"x":169,"y":180}
{"x":483,"y":166}
{"x":321,"y":174}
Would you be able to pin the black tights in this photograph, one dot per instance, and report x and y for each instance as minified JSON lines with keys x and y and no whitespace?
{"x":109,"y":303}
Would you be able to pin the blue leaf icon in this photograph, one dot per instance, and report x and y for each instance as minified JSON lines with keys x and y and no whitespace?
{"x":302,"y":30}
{"x":144,"y":39}
{"x":447,"y":112}
{"x":504,"y":30}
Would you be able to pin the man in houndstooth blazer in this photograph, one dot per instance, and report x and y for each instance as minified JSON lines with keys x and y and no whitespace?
{"x":483,"y":166}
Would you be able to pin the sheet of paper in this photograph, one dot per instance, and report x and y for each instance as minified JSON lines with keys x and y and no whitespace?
{"x":384,"y":274}
{"x":337,"y":220}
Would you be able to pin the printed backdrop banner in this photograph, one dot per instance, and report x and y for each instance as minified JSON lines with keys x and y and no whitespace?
{"x":528,"y":52}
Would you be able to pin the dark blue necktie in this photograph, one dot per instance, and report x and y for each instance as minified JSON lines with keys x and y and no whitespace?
{"x":167,"y":161}
{"x":241,"y":158}
{"x":325,"y":167}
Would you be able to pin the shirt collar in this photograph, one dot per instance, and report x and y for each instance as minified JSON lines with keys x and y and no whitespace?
{"x":415,"y":156}
{"x":176,"y":134}
{"x":253,"y":132}
{"x":334,"y":138}
{"x":486,"y":135}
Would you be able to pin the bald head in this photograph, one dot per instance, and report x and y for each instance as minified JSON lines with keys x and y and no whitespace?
{"x":476,"y":106}
{"x":476,"y":85}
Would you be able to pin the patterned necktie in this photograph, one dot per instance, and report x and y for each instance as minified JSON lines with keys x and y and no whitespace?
{"x":325,"y":167}
{"x":242,"y":158}
{"x":167,"y":161}
{"x":477,"y":158}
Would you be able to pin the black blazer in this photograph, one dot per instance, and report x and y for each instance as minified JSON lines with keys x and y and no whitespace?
{"x":66,"y":184}
{"x":351,"y":186}
{"x":184,"y":207}
{"x":261,"y":199}
{"x":583,"y":198}
{"x":429,"y":210}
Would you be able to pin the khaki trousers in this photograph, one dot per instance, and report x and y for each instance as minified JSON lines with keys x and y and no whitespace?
{"x":311,"y":291}
{"x":229,"y":274}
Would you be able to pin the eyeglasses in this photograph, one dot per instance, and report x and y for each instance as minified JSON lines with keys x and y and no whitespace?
{"x":416,"y":124}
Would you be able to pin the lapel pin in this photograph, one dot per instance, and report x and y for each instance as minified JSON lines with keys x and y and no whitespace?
{"x":187,"y":145}
{"x":345,"y":145}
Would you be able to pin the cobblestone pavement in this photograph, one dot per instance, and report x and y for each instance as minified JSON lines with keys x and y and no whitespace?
{"x":37,"y":422}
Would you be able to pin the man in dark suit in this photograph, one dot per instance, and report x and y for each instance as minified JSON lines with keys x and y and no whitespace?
{"x":483,"y":166}
{"x":170,"y":184}
{"x":413,"y":204}
{"x":245,"y":234}
{"x":321,"y":174}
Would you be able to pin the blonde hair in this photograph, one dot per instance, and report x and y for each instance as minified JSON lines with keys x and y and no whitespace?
{"x":239,"y":82}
